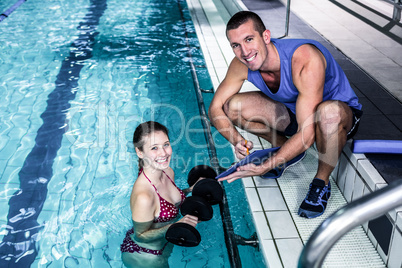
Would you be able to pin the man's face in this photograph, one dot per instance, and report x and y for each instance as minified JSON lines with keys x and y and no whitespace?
{"x":248,"y":45}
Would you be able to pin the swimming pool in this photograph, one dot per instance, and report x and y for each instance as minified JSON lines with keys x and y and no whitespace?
{"x":77,"y":77}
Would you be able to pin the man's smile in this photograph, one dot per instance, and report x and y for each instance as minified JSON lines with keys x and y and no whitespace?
{"x":251,"y":59}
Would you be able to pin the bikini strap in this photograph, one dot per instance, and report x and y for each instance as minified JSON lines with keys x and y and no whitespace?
{"x":183,"y":196}
{"x":171,"y":180}
{"x":168,"y":177}
{"x":156,"y":190}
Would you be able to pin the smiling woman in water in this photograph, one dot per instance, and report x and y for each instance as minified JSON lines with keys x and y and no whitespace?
{"x":155,"y":200}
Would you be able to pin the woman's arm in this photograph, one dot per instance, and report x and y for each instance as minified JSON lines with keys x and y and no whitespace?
{"x":144,"y":234}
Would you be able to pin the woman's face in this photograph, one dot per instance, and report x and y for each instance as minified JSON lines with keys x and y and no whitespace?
{"x":156,"y":151}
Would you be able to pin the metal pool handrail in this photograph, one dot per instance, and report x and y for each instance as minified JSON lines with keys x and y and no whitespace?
{"x":287,"y":20}
{"x":350,"y":216}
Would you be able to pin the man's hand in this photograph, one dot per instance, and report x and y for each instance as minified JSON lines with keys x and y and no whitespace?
{"x":248,"y":170}
{"x":242,"y":148}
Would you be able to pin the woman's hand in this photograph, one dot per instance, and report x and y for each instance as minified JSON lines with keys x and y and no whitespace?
{"x":189,"y":219}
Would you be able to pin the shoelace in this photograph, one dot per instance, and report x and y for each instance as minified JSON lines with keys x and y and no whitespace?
{"x":314,"y":193}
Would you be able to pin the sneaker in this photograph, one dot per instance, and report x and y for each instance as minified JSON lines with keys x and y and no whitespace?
{"x":316,"y":200}
{"x":278,"y":171}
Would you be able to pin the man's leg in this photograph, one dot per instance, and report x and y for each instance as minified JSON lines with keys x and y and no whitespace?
{"x":258,"y":114}
{"x":334,"y":119}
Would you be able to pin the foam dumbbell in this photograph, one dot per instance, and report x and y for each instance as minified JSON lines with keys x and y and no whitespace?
{"x":183,"y":234}
{"x":208,"y":188}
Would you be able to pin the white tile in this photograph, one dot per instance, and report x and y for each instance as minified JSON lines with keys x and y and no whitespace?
{"x":281,"y":224}
{"x":353,"y":158}
{"x":393,"y":214}
{"x":221,"y":73}
{"x":271,"y":198}
{"x":398,"y":221}
{"x":270,"y":254}
{"x":365,"y":227}
{"x":338,"y":34}
{"x":220,"y":62}
{"x":248,"y":182}
{"x":381,"y":253}
{"x":379,"y":186}
{"x":349,"y":183}
{"x":372,"y":238}
{"x":253,"y":200}
{"x":248,"y":86}
{"x":260,"y":182}
{"x":263,"y":230}
{"x":342,"y":173}
{"x":369,"y":174}
{"x":358,"y":188}
{"x":289,"y":251}
{"x":366,"y":190}
{"x":265,"y":144}
{"x":334,"y":173}
{"x":395,"y":258}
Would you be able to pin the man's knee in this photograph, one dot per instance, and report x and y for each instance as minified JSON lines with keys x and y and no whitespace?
{"x":232,"y":107}
{"x":331,"y":116}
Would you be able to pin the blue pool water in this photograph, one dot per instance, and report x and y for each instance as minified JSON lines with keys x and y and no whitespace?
{"x":76,"y":78}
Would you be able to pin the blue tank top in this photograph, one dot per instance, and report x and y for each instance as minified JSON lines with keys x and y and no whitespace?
{"x":336,"y":85}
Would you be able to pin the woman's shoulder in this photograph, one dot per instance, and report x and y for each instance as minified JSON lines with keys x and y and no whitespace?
{"x":169,"y":171}
{"x":143,"y":198}
{"x":142,"y":192}
{"x":143,"y":203}
{"x":143,"y":208}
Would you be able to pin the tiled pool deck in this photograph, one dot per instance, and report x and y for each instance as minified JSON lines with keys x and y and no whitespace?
{"x":364,"y":33}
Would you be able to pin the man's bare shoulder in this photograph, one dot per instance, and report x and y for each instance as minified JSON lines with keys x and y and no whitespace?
{"x":307,"y":52}
{"x":231,"y":84}
{"x":237,"y":70}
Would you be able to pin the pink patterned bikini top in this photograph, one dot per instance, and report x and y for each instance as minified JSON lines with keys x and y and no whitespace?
{"x":168,"y":211}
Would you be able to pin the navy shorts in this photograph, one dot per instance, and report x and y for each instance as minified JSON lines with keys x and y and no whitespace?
{"x":291,"y":129}
{"x":357,"y":114}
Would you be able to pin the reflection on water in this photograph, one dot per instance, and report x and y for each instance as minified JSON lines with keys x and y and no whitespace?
{"x":73,"y":90}
{"x":18,"y":244}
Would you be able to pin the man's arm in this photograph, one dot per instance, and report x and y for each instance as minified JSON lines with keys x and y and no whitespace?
{"x":231,"y":85}
{"x":308,"y":73}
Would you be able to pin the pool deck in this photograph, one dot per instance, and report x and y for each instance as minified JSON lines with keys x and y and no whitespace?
{"x":367,"y":44}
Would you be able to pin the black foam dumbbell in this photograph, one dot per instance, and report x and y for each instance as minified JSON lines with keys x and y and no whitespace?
{"x":208,"y":188}
{"x":183,"y":234}
{"x":205,"y":193}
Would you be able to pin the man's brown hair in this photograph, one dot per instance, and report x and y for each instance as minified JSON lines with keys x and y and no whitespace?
{"x":242,"y":17}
